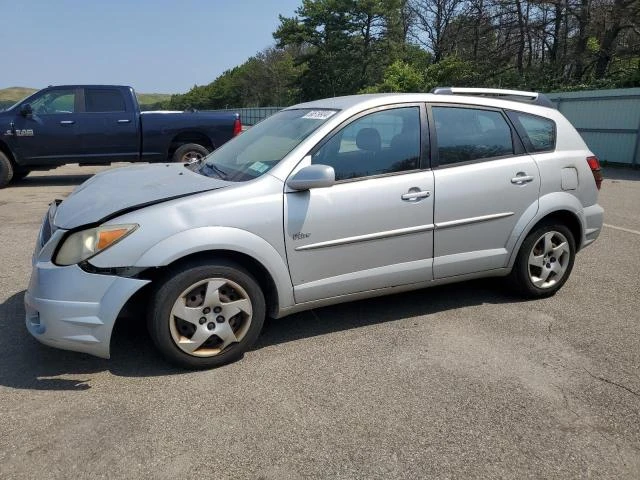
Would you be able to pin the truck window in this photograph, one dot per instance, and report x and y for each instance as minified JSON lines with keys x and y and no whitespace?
{"x":54,"y":101}
{"x":104,"y":100}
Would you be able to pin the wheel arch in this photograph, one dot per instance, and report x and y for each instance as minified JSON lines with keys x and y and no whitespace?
{"x":253,"y":266}
{"x":560,"y":206}
{"x":247,"y":249}
{"x":190,"y":136}
{"x":4,"y":148}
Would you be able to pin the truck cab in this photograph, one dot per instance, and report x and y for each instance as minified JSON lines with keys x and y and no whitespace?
{"x":92,"y":124}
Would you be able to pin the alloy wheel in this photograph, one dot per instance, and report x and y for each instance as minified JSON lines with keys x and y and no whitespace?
{"x":549,"y":259}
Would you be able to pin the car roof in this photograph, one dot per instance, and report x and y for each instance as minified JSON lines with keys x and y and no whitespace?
{"x":86,"y":85}
{"x":379,"y":99}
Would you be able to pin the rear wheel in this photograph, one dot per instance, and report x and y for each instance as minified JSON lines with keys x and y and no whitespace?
{"x":189,"y":153}
{"x":6,"y":170}
{"x":204,"y":316}
{"x":545,"y":261}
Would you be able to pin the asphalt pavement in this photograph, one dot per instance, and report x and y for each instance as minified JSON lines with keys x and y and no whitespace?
{"x":462,"y":381}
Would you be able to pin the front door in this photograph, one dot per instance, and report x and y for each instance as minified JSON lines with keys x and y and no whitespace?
{"x":374,"y":227}
{"x":485,"y":185}
{"x":49,"y":136}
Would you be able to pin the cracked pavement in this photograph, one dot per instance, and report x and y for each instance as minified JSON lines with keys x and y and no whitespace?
{"x":461,"y":381}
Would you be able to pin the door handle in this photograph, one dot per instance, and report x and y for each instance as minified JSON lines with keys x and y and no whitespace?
{"x":67,"y":122}
{"x":124,"y":120}
{"x":521,"y":178}
{"x":415,"y":194}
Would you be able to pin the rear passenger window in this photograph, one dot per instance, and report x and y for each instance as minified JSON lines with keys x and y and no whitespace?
{"x":103,"y":100}
{"x":466,"y":134}
{"x":540,"y":131}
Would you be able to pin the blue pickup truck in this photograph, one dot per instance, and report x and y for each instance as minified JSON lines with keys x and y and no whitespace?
{"x":98,"y":125}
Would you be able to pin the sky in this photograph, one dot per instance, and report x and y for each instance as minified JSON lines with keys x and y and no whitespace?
{"x":156,"y":46}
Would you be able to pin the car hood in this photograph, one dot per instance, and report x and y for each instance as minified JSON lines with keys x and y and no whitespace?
{"x":115,"y":192}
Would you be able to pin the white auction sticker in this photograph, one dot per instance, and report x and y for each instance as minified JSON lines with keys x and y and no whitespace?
{"x":259,"y":167}
{"x":320,"y":114}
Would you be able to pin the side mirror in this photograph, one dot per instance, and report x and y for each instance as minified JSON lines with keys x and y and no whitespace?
{"x":312,"y":176}
{"x":26,"y":110}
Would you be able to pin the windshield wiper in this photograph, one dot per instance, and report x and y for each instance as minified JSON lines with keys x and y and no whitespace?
{"x":221,"y":173}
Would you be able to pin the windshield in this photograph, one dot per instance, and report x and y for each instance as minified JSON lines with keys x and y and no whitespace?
{"x":260,"y":148}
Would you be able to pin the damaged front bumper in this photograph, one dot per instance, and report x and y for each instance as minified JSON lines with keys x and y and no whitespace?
{"x":69,"y":308}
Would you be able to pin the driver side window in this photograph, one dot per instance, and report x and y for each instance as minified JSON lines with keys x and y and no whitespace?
{"x":382,"y":142}
{"x":54,"y":102}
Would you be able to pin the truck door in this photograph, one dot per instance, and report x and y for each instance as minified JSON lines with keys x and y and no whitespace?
{"x":108,"y":126}
{"x":48,"y":135}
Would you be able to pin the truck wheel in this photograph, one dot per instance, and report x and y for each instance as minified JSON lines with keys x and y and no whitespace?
{"x":6,"y":170}
{"x":204,"y":316}
{"x":189,"y":152}
{"x":545,"y":261}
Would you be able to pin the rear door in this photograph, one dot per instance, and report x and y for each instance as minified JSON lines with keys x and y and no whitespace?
{"x":108,"y":126}
{"x":50,"y":135}
{"x":485,"y":184}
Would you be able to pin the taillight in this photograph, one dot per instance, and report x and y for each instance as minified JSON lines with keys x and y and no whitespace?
{"x":237,"y":127}
{"x":594,"y":165}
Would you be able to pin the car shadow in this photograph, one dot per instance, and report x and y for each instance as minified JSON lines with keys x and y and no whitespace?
{"x":347,"y":316}
{"x":611,"y":172}
{"x":27,"y":364}
{"x":51,"y":180}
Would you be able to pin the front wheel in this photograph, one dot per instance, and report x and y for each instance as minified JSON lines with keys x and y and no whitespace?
{"x":545,"y":261}
{"x":6,"y":170}
{"x":204,"y":316}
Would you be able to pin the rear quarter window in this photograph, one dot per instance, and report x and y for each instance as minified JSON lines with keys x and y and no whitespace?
{"x":539,"y":133}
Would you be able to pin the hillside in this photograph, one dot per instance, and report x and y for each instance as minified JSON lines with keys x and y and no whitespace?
{"x":9,"y":96}
{"x":13,"y":94}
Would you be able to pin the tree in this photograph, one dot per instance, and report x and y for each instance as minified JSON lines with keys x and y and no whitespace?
{"x":348,"y":43}
{"x":399,"y":77}
{"x":433,"y":18}
{"x":341,"y":47}
{"x":266,"y":79}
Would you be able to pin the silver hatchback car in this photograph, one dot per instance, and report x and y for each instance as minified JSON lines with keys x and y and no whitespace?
{"x":324,"y":202}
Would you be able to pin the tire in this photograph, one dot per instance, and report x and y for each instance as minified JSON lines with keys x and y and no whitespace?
{"x":6,"y":170}
{"x":545,"y":261}
{"x":189,"y":152}
{"x":192,"y":342}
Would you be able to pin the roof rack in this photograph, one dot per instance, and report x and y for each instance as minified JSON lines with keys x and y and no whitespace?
{"x":515,"y":95}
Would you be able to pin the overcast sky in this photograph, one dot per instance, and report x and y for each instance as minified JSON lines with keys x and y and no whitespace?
{"x":153,"y":45}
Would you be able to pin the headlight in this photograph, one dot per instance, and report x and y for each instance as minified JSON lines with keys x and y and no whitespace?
{"x":83,"y":245}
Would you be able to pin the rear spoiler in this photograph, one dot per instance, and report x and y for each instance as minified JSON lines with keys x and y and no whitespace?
{"x":534,"y":98}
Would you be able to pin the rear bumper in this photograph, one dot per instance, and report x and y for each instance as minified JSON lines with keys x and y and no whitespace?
{"x":71,"y":309}
{"x":594,"y":218}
